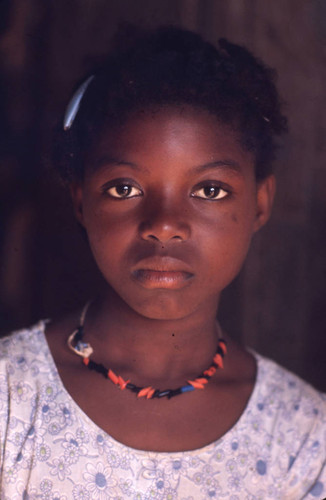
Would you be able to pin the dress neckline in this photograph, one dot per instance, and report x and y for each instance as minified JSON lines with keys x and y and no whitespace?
{"x":232,"y":432}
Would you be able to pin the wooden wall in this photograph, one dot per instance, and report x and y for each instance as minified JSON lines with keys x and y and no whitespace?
{"x":46,"y":269}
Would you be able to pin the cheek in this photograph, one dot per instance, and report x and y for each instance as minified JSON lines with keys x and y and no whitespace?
{"x":107,"y":236}
{"x":230,"y":225}
{"x":241,"y":229}
{"x":228,"y":242}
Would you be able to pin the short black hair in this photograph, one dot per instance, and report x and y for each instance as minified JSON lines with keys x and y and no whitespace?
{"x":173,"y":66}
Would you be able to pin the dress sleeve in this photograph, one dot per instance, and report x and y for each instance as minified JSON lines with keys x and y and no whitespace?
{"x":4,"y":411}
{"x":307,"y":469}
{"x":318,"y":489}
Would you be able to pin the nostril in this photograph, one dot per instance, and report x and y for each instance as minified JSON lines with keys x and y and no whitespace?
{"x":162,"y":231}
{"x":155,"y":238}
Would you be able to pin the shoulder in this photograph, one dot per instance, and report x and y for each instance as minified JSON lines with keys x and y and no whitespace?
{"x":23,"y":343}
{"x":24,"y":358}
{"x":25,"y":366}
{"x":291,"y":415}
{"x":281,"y":389}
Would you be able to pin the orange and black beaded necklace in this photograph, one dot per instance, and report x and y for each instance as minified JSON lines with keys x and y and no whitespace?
{"x":84,"y":350}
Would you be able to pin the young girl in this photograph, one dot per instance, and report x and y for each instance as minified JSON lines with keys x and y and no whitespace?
{"x":167,"y":152}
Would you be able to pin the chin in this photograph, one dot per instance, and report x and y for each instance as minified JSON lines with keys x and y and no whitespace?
{"x":162,"y":313}
{"x":164,"y":307}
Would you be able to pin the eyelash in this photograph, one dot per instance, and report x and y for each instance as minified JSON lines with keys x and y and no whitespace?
{"x":214,"y":187}
{"x":123,"y":196}
{"x":129,"y":190}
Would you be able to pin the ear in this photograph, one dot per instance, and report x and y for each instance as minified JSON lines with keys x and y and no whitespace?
{"x":76,"y":193}
{"x":265,"y":197}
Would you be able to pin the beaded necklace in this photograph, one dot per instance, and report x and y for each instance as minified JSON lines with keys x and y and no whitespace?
{"x":83,"y":349}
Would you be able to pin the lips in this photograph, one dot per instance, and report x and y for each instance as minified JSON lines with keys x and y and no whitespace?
{"x":162,"y":272}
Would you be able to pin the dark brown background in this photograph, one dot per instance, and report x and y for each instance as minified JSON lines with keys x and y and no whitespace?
{"x":277,"y":305}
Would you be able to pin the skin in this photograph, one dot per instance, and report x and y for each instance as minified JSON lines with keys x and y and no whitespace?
{"x":170,"y":203}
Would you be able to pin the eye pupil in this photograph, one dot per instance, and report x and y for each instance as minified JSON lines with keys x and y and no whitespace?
{"x":211,"y":191}
{"x":123,"y":190}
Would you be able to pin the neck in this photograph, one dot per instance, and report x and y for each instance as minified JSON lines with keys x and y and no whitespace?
{"x":148,"y":347}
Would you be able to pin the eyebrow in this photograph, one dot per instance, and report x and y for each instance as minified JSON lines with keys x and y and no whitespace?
{"x":221,"y":164}
{"x":226,"y":164}
{"x":108,"y":161}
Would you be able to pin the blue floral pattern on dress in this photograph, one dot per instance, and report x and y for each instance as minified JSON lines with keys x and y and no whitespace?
{"x":51,"y":450}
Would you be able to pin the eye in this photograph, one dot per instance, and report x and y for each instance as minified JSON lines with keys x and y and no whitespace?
{"x":210,"y":193}
{"x":123,"y":191}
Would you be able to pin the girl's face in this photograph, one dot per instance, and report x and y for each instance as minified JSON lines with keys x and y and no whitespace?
{"x":170,"y":203}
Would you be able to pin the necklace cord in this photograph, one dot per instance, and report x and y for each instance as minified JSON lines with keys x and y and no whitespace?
{"x":84,"y":350}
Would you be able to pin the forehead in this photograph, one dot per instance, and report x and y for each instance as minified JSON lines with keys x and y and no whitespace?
{"x":169,"y":134}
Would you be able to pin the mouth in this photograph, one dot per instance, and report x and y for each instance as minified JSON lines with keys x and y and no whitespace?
{"x":163,"y":272}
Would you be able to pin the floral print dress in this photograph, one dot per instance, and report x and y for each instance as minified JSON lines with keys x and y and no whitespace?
{"x":50,"y":449}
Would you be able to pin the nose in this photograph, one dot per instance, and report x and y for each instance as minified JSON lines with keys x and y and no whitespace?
{"x":165,"y":224}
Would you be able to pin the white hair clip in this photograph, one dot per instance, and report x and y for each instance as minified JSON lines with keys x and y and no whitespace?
{"x":74,"y":104}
